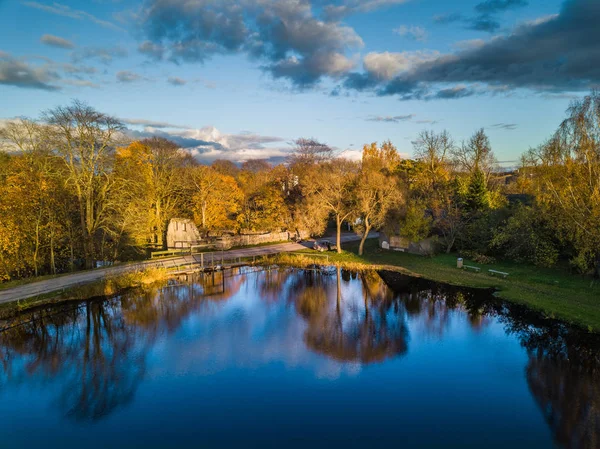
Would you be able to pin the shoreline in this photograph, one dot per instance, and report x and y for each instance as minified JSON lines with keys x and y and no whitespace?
{"x":554,"y":294}
{"x":578,"y":307}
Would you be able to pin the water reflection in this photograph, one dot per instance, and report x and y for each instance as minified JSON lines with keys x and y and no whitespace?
{"x":563,"y":369}
{"x":95,"y":355}
{"x":365,"y":328}
{"x":98,"y":355}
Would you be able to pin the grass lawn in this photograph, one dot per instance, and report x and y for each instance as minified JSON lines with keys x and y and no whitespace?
{"x":556,"y":293}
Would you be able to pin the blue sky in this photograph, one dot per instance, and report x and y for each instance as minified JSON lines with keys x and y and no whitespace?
{"x":241,"y":79}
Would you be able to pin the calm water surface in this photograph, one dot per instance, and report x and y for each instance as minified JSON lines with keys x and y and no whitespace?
{"x":297,"y":358}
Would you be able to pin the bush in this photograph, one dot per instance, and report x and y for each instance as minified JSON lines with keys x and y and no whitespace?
{"x":478,"y":258}
{"x":525,"y":236}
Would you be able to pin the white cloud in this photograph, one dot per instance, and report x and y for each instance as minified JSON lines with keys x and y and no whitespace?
{"x":126,"y":76}
{"x":67,"y":11}
{"x":56,"y":41}
{"x":415,"y":33}
{"x":387,"y":65}
{"x":208,"y":143}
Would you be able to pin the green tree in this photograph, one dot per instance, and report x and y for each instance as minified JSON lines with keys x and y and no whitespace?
{"x":525,"y":236}
{"x":477,"y":197}
{"x":565,"y":178}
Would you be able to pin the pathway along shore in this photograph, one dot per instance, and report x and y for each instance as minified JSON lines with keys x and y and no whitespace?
{"x":45,"y":286}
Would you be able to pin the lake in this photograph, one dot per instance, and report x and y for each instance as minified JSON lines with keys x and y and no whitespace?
{"x":285,"y":357}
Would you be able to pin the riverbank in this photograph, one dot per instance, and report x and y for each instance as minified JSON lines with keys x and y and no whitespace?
{"x":105,"y":287}
{"x":555,"y":293}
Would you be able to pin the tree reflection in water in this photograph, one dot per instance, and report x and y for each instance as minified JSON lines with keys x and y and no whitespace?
{"x":97,"y":354}
{"x":97,"y":351}
{"x":364,"y":326}
{"x":563,"y":369}
{"x":98,"y":348}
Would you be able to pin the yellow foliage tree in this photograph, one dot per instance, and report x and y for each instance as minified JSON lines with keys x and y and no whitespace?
{"x":216,"y":199}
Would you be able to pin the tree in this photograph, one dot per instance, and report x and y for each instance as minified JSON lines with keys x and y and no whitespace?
{"x":32,"y":193}
{"x":416,"y":223}
{"x":476,"y":156}
{"x":449,"y":222}
{"x":331,"y":189}
{"x":432,"y":150}
{"x":153,"y":176}
{"x":263,"y":204}
{"x":85,"y":139}
{"x":565,"y":173}
{"x":216,"y":198}
{"x":256,"y":166}
{"x":477,"y":198}
{"x":309,"y":152}
{"x":226,"y":167}
{"x":377,"y":189}
{"x":526,"y":236}
{"x":433,"y":186}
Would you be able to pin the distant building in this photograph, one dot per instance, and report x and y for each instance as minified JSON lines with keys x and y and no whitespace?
{"x":398,"y":243}
{"x":182,"y":233}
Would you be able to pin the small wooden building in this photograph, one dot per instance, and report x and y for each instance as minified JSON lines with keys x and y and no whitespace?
{"x":182,"y":233}
{"x":425,"y":247}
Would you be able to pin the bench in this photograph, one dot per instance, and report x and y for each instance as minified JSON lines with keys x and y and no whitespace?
{"x":470,"y":267}
{"x":499,"y":273}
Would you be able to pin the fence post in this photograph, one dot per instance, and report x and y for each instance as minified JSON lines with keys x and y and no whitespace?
{"x":202,"y":260}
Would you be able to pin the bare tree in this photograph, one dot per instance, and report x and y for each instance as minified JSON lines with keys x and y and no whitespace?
{"x":257,"y":165}
{"x":310,"y":152}
{"x":85,"y":139}
{"x":476,"y":155}
{"x":433,"y":149}
{"x":24,"y":136}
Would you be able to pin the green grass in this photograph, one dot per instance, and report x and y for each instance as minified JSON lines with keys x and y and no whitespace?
{"x":555,"y":293}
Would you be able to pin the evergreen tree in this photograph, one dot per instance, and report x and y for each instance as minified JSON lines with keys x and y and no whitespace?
{"x":477,"y":194}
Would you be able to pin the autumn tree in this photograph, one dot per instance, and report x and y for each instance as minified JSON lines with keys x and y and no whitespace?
{"x":85,"y":139}
{"x":303,"y":164}
{"x":216,"y":198}
{"x":225,"y":167}
{"x":156,"y":170}
{"x":565,"y":172}
{"x":377,"y":189}
{"x":331,"y":189}
{"x":263,"y":204}
{"x":33,"y":190}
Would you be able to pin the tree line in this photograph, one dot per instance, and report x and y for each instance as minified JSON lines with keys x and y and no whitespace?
{"x":76,"y":190}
